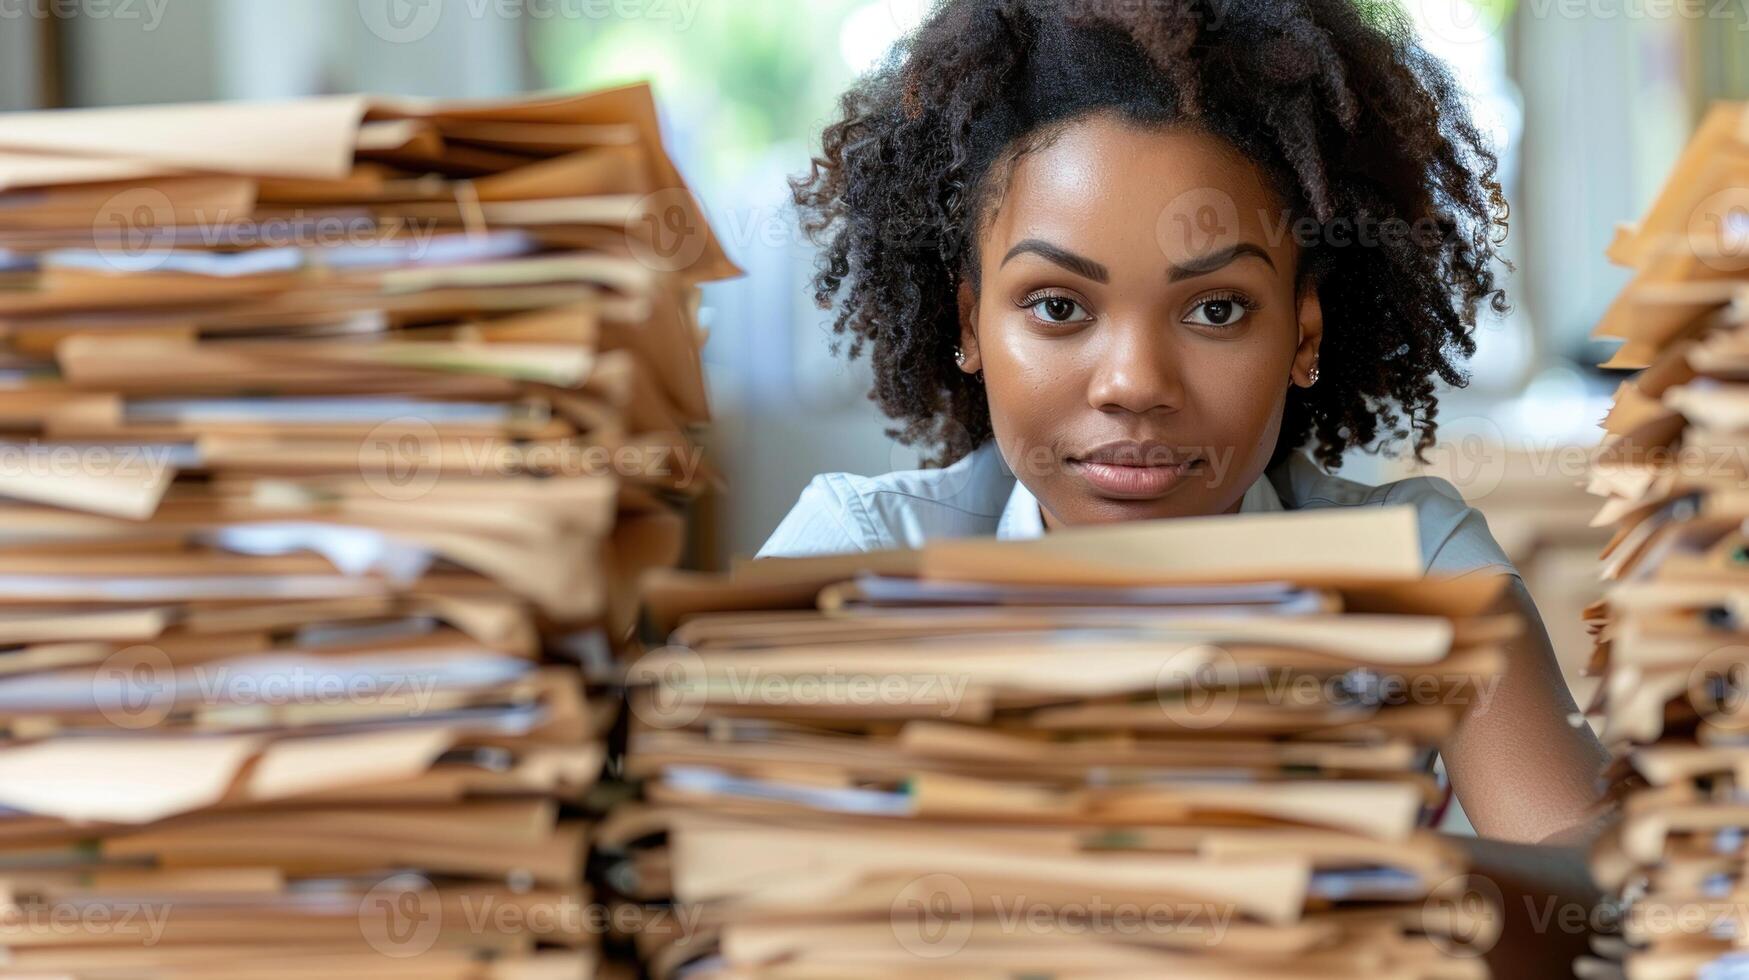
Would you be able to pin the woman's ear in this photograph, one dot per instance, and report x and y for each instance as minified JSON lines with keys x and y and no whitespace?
{"x":968,"y":304}
{"x":1311,"y":319}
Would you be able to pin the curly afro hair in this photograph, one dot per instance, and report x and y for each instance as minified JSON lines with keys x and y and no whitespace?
{"x":1350,"y":120}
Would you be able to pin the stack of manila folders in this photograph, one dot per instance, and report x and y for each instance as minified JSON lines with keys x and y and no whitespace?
{"x":1671,"y":631}
{"x":1199,"y":747}
{"x":334,"y":435}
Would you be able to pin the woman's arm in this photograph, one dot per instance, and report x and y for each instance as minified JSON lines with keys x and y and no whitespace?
{"x":1549,"y":906}
{"x":1529,"y":779}
{"x":1522,"y":771}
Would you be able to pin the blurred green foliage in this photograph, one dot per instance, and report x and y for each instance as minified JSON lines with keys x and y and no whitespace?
{"x":748,"y":73}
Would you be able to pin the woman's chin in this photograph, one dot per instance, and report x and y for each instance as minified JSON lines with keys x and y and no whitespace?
{"x":1190,"y":501}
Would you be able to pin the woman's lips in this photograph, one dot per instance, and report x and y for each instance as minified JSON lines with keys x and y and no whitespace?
{"x":1137,"y":482}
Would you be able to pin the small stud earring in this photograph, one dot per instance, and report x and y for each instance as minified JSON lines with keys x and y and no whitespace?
{"x":1312,"y":376}
{"x":959,"y":356}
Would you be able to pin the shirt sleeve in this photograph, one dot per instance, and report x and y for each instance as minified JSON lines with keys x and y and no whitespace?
{"x":1455,"y":538}
{"x":827,"y":519}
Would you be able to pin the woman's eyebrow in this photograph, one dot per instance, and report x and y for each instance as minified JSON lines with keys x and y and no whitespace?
{"x":1219,"y":258}
{"x":1080,"y":265}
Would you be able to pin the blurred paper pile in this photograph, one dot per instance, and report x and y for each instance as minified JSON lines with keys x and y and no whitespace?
{"x":1671,"y":629}
{"x":334,"y":435}
{"x":1198,"y":747}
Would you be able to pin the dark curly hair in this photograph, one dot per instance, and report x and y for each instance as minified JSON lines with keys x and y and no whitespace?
{"x":1332,"y":99}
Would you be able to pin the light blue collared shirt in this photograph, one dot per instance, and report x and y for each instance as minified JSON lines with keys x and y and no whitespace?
{"x":979,"y":496}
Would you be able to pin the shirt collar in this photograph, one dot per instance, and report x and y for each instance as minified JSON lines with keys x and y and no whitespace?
{"x":1021,"y":518}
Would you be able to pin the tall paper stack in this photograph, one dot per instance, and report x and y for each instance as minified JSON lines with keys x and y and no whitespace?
{"x":1671,"y":629}
{"x":336,"y":433}
{"x":1194,"y":748}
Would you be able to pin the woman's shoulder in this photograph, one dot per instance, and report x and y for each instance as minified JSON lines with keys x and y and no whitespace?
{"x":1454,"y":535}
{"x":846,"y":512}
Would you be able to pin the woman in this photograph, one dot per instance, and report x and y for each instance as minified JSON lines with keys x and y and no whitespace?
{"x":1117,"y":260}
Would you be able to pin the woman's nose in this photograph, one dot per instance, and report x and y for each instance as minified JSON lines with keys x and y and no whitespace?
{"x":1135,"y":369}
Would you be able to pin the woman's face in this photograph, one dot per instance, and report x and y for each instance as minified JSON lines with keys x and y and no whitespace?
{"x":1138,"y":323}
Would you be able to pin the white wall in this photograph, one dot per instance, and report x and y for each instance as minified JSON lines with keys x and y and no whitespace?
{"x":20,"y":65}
{"x":263,"y":49}
{"x":139,"y":53}
{"x":1605,"y":118}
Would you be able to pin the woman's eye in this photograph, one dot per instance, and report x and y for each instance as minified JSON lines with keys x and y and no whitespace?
{"x":1219,"y":312}
{"x":1058,"y":309}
